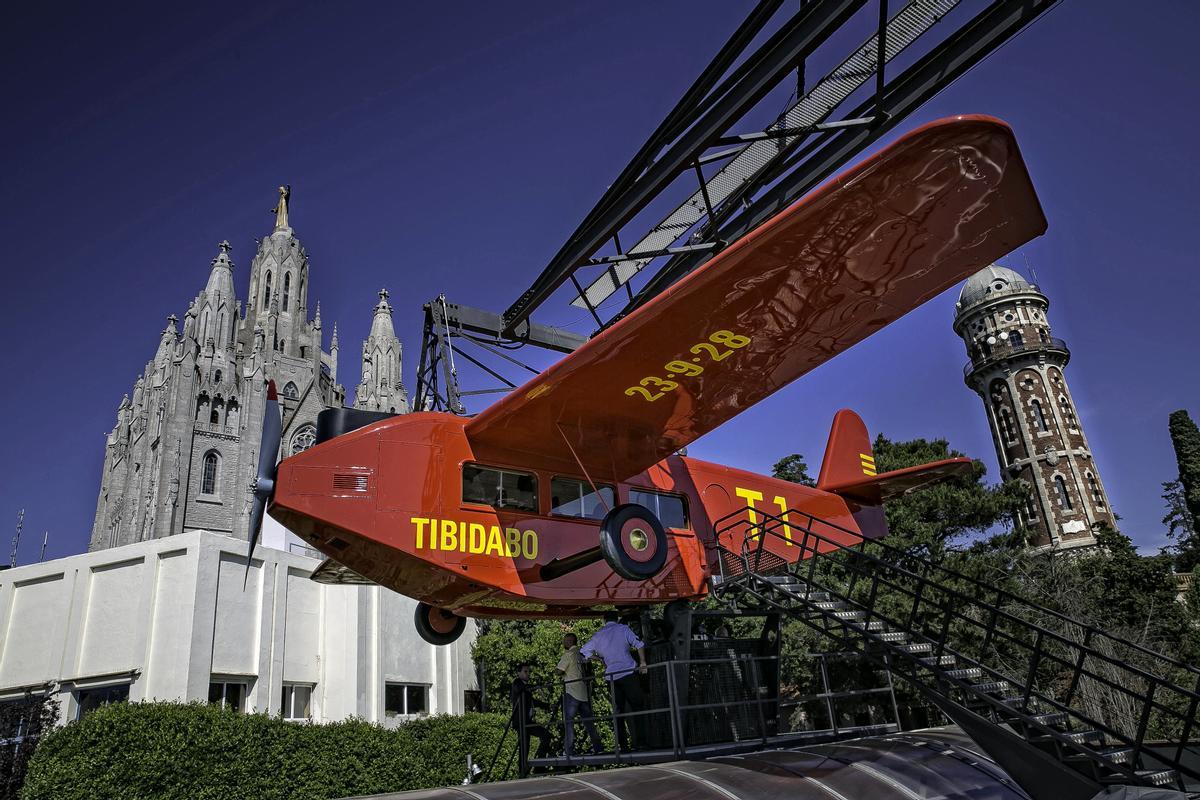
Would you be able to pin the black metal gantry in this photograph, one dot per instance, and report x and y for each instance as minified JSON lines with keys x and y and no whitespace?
{"x":818,"y":135}
{"x":475,"y":336}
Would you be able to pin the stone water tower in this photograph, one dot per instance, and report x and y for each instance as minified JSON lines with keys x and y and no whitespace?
{"x":1016,"y":367}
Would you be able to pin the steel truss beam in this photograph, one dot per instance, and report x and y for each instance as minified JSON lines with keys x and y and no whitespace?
{"x":646,"y":177}
{"x":901,"y":96}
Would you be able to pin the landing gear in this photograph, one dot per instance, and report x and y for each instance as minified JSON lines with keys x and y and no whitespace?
{"x":438,"y":626}
{"x":633,"y":542}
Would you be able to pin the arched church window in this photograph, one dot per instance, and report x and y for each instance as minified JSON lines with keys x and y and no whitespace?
{"x":300,"y":293}
{"x":201,"y":404}
{"x":305,"y":438}
{"x":231,"y":414}
{"x":208,"y":480}
{"x":215,"y":415}
{"x":290,"y":391}
{"x":217,"y":376}
{"x":267,"y":290}
{"x":287,"y":289}
{"x":1015,"y":339}
{"x":1039,"y":417}
{"x":1064,"y":499}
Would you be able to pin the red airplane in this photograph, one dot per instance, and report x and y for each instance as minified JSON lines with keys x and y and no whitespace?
{"x":570,"y":495}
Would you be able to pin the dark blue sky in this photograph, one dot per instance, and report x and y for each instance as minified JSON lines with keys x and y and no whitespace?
{"x":451,"y":148}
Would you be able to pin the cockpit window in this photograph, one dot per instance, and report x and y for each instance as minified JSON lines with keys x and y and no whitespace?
{"x":574,"y":498}
{"x":499,"y":488}
{"x":670,"y":509}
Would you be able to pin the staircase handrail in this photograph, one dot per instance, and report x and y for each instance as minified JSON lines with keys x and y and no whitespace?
{"x":998,"y":591}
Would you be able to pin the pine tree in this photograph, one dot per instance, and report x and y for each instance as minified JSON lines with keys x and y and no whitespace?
{"x":793,"y":468}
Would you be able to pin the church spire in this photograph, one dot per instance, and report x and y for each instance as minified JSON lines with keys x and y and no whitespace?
{"x":381,"y":325}
{"x":281,"y":209}
{"x":220,"y":279}
{"x":381,"y":388}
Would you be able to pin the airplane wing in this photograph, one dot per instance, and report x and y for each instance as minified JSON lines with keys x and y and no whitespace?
{"x":855,"y":255}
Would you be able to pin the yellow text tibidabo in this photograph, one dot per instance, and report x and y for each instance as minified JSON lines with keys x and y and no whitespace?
{"x":473,"y":537}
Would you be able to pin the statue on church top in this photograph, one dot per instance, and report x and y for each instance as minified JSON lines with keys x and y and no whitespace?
{"x":281,"y":210}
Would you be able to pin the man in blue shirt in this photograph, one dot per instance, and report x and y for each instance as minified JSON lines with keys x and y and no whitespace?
{"x":611,"y":644}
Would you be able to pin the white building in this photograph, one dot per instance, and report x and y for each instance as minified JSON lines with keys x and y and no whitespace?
{"x":168,"y":619}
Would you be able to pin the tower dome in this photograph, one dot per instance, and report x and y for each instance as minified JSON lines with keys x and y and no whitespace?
{"x":990,"y":280}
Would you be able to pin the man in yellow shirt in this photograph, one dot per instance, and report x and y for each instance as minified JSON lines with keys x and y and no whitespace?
{"x":575,"y":696}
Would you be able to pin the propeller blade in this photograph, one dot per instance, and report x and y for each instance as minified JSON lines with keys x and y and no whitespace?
{"x":264,"y":480}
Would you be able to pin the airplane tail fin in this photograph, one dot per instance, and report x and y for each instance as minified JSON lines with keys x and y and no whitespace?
{"x":848,"y":455}
{"x":849,"y":467}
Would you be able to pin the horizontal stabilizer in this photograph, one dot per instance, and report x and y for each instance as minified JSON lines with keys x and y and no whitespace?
{"x":875,"y":490}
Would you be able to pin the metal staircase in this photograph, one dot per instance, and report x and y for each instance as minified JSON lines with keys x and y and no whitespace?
{"x":1066,"y":708}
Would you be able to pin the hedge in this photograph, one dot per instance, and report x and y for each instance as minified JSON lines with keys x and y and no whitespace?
{"x":176,"y":750}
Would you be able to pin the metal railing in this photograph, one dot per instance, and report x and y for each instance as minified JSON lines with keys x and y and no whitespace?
{"x":1062,"y":669}
{"x":702,"y":706}
{"x":999,"y":352}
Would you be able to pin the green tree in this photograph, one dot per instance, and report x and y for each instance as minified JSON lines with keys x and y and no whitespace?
{"x":793,"y":468}
{"x":1185,"y":438}
{"x":943,"y":514}
{"x":1183,"y":506}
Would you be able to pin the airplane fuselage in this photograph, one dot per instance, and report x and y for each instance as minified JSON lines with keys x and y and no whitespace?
{"x":408,"y":504}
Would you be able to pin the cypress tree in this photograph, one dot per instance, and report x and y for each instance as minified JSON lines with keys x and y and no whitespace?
{"x":1185,"y":437}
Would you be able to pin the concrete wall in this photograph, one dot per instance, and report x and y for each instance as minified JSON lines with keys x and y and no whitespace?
{"x":168,"y":615}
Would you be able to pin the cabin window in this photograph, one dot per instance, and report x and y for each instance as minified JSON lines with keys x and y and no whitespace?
{"x":572,"y":498}
{"x":500,"y":488}
{"x":670,"y":509}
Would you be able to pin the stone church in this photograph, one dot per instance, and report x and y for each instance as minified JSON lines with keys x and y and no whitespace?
{"x":184,"y":449}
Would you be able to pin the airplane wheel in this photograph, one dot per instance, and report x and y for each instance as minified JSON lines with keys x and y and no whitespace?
{"x":438,"y":626}
{"x":633,"y":542}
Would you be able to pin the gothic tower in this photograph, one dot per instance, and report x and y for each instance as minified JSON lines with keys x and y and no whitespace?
{"x":381,"y":388}
{"x":185,"y":444}
{"x":1016,"y":367}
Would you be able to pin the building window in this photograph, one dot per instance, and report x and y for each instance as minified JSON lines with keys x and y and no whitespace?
{"x":500,"y":488}
{"x":1064,"y":499}
{"x":670,"y":509}
{"x":1015,"y":339}
{"x":305,"y":438}
{"x":1043,"y":336}
{"x":290,"y":391}
{"x":297,"y":701}
{"x":217,"y":376}
{"x":227,"y":694}
{"x":1031,"y":508}
{"x":208,"y":479}
{"x":201,"y":404}
{"x":267,"y":290}
{"x":1039,"y":418}
{"x":572,"y":498}
{"x":1006,"y":425}
{"x":1094,"y":487}
{"x":287,"y":289}
{"x":405,"y":699}
{"x":88,"y":700}
{"x":1068,"y":412}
